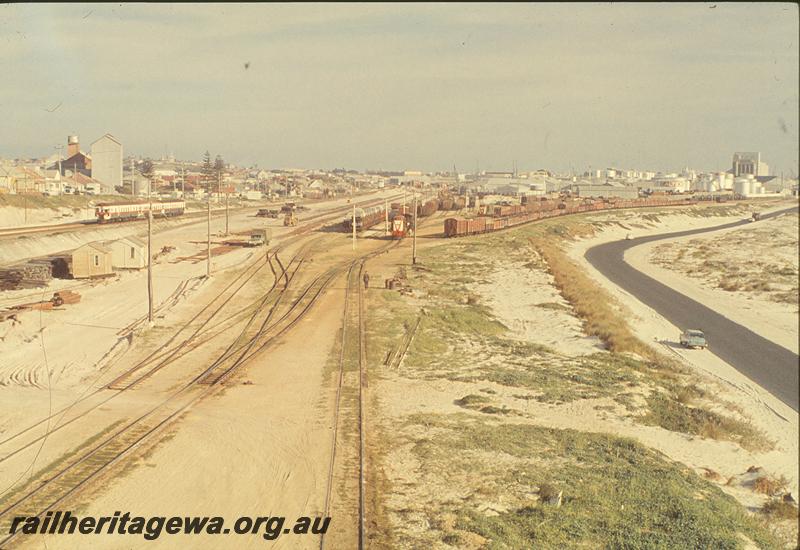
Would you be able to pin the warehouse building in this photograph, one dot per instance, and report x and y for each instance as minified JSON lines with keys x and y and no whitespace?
{"x":106,"y":155}
{"x":591,"y":190}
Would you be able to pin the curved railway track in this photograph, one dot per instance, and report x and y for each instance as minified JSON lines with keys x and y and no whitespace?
{"x":90,"y":463}
{"x":165,"y":355}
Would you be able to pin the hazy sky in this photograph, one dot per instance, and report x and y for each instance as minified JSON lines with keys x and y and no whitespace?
{"x":414,"y":86}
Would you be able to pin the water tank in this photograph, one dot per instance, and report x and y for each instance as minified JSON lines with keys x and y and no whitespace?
{"x":742,"y":186}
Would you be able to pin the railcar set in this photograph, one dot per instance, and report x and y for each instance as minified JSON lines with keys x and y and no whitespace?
{"x":127,"y":211}
{"x":497,"y":217}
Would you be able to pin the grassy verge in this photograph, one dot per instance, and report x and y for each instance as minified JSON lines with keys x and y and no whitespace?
{"x":477,"y":474}
{"x":590,"y":302}
{"x":615,"y":493}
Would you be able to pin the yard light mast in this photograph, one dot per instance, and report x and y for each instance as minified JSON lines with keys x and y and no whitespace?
{"x":354,"y":226}
{"x":414,"y":242}
{"x":208,"y":234}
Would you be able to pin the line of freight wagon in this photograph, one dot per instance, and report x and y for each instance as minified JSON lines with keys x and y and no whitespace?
{"x":501,"y":217}
{"x":400,"y":216}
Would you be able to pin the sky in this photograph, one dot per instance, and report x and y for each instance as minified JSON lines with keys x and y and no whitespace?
{"x":407,"y":86}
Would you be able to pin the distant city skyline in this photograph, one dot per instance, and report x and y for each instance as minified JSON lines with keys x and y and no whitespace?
{"x":408,"y":86}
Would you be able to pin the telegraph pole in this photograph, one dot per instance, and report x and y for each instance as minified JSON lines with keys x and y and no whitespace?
{"x":149,"y":255}
{"x":266,"y":243}
{"x":414,"y":242}
{"x":25,"y":196}
{"x":226,"y":212}
{"x":385,"y":217}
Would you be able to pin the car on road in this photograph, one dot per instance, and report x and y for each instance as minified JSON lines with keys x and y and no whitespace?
{"x":693,"y":338}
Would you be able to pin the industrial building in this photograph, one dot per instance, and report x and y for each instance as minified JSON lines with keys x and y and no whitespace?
{"x":591,"y":190}
{"x":745,"y":164}
{"x":76,"y":160}
{"x":106,"y":163}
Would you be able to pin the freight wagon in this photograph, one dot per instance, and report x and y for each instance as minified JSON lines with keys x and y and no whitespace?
{"x":124,"y":211}
{"x":500,"y":217}
{"x":364,"y":218}
{"x":427,"y":208}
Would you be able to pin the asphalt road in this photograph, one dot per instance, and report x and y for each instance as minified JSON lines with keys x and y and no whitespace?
{"x":771,"y":366}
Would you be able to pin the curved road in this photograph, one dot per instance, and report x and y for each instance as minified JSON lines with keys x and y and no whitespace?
{"x":772,"y":366}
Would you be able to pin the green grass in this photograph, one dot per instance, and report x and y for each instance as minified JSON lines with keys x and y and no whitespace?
{"x":616,"y":492}
{"x":58,"y":463}
{"x":672,"y":414}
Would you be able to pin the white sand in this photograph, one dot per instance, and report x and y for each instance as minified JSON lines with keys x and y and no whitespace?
{"x":768,"y":413}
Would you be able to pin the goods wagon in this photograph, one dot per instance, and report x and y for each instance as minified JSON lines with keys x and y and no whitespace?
{"x":124,"y":211}
{"x":536,"y":210}
{"x":427,"y":208}
{"x":365,"y":218}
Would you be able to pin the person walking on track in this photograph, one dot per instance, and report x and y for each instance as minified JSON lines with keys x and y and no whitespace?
{"x":366,"y":280}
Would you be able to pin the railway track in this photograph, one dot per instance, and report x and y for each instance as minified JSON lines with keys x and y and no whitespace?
{"x":353,"y":315}
{"x":93,"y":461}
{"x":129,"y":379}
{"x":97,"y":458}
{"x":168,"y":353}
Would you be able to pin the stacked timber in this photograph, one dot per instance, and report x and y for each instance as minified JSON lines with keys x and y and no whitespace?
{"x":34,"y":274}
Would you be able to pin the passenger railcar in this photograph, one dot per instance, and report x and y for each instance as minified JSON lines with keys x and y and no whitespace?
{"x":126,"y":211}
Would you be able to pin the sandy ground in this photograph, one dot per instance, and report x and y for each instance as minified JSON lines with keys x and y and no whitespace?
{"x":537,"y":314}
{"x":758,"y":311}
{"x":515,"y":293}
{"x":276,"y":431}
{"x":44,"y":370}
{"x":12,"y":216}
{"x":259,"y":449}
{"x":777,"y":419}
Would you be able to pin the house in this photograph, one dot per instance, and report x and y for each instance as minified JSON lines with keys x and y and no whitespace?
{"x":90,"y":260}
{"x":28,"y":180}
{"x":128,"y":253}
{"x":7,"y":179}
